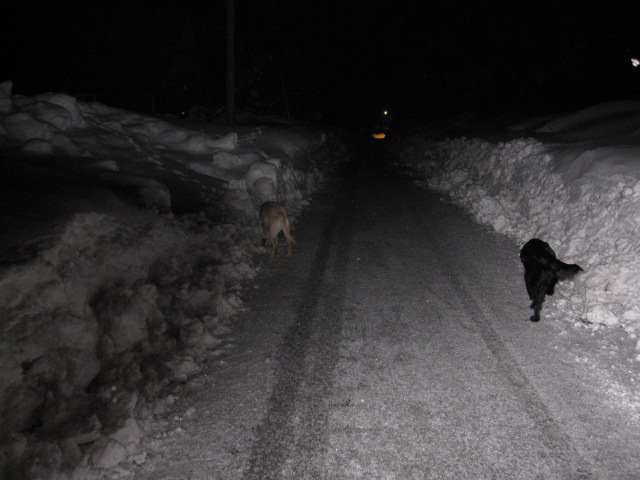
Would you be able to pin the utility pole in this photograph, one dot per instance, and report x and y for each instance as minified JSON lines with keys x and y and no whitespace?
{"x":231,"y":68}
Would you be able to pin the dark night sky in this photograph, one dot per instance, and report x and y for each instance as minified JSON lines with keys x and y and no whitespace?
{"x":427,"y":58}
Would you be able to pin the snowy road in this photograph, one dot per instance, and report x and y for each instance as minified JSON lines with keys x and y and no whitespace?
{"x":395,"y":345}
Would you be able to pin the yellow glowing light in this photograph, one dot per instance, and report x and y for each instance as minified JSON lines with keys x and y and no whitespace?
{"x":378,"y":135}
{"x":386,"y":112}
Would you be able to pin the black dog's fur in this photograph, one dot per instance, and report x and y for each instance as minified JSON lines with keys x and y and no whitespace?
{"x":542,"y":270}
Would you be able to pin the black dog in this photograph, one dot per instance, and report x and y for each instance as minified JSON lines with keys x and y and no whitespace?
{"x":542,"y":270}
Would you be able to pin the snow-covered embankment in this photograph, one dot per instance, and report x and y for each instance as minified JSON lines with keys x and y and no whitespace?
{"x":584,"y":199}
{"x":122,"y":305}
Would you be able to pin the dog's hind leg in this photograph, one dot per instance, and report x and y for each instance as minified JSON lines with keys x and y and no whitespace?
{"x":538,"y":299}
{"x":262,"y":230}
{"x":290,"y":240}
{"x":273,"y":240}
{"x":530,"y":280}
{"x":536,"y":305}
{"x":536,"y":313}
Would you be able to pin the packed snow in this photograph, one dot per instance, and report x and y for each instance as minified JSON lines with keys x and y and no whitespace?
{"x":110,"y":299}
{"x":572,"y":180}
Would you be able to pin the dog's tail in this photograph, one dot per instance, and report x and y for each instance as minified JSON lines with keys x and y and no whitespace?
{"x":565,"y":271}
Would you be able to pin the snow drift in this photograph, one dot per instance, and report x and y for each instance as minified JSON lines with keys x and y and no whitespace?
{"x":578,"y":189}
{"x":120,"y":299}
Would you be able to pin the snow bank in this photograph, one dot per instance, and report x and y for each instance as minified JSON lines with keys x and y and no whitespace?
{"x":582,"y":199}
{"x":97,"y":326}
{"x":98,"y":331}
{"x":56,"y":123}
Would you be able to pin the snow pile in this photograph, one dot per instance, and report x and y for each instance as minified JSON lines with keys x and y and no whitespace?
{"x":99,"y":330}
{"x":108,"y":317}
{"x":581,"y":197}
{"x":261,"y":163}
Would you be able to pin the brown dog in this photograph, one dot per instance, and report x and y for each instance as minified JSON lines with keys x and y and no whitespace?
{"x":273,"y":220}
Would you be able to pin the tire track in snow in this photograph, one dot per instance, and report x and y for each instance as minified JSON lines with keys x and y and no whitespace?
{"x":575,"y":465}
{"x":294,"y":427}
